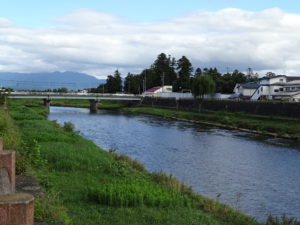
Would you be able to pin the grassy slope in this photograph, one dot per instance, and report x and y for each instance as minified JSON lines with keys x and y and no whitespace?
{"x":277,"y":126}
{"x":84,"y":103}
{"x":74,"y":165}
{"x":8,"y":130}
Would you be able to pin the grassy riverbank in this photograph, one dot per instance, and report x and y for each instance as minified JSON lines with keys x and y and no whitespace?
{"x":276,"y":126}
{"x":285,"y":127}
{"x":93,"y":186}
{"x":84,"y":103}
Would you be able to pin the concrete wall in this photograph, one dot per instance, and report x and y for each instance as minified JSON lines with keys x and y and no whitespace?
{"x":253,"y":107}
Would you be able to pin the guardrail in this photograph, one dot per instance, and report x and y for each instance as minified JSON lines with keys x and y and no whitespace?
{"x":74,"y":95}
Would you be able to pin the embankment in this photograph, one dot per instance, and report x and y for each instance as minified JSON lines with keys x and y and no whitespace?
{"x":97,"y":187}
{"x":268,"y":108}
{"x":269,"y":118}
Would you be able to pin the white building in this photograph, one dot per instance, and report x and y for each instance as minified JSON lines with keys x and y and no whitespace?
{"x":153,"y":92}
{"x":279,"y":87}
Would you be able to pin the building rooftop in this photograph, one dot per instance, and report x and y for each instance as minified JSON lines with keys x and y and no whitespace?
{"x":154,"y":89}
{"x":251,"y":85}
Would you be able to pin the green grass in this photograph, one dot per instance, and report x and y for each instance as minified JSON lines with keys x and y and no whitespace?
{"x":137,"y":193}
{"x":84,"y":103}
{"x":27,"y":158}
{"x":280,"y":126}
{"x":80,"y":103}
{"x":97,"y":187}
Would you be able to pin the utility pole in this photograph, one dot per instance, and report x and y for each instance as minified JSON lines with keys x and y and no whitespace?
{"x":163,"y":81}
{"x":145,"y":80}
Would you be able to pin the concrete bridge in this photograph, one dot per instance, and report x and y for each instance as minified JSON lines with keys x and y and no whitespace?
{"x":94,"y":98}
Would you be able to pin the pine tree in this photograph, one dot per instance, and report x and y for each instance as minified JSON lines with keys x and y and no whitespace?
{"x":185,"y":70}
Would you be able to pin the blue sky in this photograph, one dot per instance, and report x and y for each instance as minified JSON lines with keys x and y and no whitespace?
{"x":37,"y":13}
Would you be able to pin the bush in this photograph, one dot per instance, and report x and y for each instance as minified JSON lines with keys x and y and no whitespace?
{"x":135,"y":164}
{"x":171,"y":182}
{"x":69,"y":127}
{"x":32,"y":151}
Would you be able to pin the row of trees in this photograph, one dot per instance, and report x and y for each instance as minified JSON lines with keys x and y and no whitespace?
{"x":166,"y":70}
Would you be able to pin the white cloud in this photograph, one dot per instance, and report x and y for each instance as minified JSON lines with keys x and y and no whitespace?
{"x":98,"y":43}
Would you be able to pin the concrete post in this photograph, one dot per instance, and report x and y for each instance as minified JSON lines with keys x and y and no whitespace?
{"x":15,"y":208}
{"x":7,"y":172}
{"x":93,"y":105}
{"x":47,"y":102}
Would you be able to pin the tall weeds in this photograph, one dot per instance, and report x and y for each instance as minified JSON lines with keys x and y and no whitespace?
{"x":136,"y":193}
{"x":284,"y":220}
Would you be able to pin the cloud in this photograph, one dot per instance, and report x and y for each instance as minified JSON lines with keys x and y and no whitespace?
{"x":98,"y":43}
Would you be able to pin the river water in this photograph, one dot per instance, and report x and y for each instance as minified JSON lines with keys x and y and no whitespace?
{"x":255,"y":174}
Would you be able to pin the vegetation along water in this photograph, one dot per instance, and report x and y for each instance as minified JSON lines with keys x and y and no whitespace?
{"x":98,"y":185}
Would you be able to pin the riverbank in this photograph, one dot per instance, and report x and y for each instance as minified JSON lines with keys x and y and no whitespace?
{"x":107,"y":188}
{"x":84,"y":103}
{"x":284,"y":127}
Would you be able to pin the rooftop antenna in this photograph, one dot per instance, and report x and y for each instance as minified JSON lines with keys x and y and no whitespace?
{"x":250,"y":73}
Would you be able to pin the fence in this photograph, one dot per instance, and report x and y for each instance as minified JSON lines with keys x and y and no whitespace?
{"x":253,"y":107}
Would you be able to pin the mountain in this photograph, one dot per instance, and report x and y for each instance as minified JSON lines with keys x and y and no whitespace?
{"x":43,"y":81}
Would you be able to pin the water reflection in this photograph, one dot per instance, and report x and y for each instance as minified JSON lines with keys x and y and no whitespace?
{"x":256,"y":174}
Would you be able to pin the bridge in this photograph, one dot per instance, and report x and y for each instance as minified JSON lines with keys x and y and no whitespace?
{"x":94,"y":98}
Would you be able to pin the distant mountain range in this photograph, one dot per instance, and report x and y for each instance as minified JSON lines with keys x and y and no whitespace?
{"x":42,"y":81}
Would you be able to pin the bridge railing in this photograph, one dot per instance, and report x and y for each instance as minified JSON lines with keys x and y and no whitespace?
{"x":46,"y":94}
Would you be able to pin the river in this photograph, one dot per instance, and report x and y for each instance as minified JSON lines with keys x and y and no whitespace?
{"x":255,"y":174}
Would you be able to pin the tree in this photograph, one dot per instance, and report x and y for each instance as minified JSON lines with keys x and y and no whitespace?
{"x":185,"y":70}
{"x":101,"y":88}
{"x":216,"y":76}
{"x":148,"y":77}
{"x":62,"y":90}
{"x":203,"y":85}
{"x":114,"y":83}
{"x":133,"y":84}
{"x":163,"y":70}
{"x":198,"y":72}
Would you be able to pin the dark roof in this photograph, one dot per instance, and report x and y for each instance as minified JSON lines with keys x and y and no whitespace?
{"x":293,"y":78}
{"x":251,"y":85}
{"x":153,"y":89}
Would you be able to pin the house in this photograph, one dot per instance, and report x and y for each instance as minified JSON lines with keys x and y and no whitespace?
{"x":153,"y":92}
{"x":275,"y":87}
{"x":246,"y":90}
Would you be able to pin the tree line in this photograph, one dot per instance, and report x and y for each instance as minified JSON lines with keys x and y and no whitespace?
{"x":166,"y":70}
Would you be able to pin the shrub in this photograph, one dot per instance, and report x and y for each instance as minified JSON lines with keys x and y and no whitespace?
{"x":69,"y":127}
{"x":32,"y":151}
{"x":171,"y":182}
{"x":135,"y":164}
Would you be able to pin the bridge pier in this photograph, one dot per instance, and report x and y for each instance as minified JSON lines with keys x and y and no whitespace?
{"x":93,"y":105}
{"x":47,"y":102}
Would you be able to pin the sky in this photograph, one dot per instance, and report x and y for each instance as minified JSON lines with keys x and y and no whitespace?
{"x":97,"y":37}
